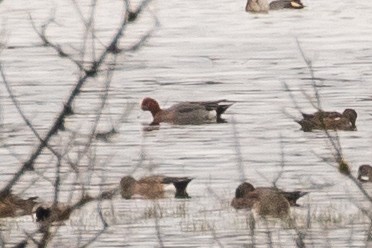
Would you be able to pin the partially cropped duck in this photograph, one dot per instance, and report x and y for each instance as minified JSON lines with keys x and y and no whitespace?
{"x":53,"y":213}
{"x":187,"y":112}
{"x":265,"y":6}
{"x":329,"y":120}
{"x":13,"y":206}
{"x":152,"y":187}
{"x":365,"y":173}
{"x":265,"y":200}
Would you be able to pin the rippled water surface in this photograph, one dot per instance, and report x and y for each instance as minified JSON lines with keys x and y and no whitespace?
{"x":200,"y":50}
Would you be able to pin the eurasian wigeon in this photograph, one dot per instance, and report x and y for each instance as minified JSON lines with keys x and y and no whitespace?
{"x":152,"y":187}
{"x":13,"y":206}
{"x":265,"y":200}
{"x":187,"y":112}
{"x":329,"y":120}
{"x":264,"y":6}
{"x":365,"y":173}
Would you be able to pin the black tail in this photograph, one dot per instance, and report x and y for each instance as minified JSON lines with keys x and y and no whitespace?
{"x":292,"y":197}
{"x":307,"y":116}
{"x":180,"y":183}
{"x":220,"y":110}
{"x":306,"y":125}
{"x":219,"y":106}
{"x":42,"y":213}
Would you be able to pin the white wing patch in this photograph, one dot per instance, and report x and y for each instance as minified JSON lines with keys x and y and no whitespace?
{"x":365,"y":178}
{"x":212,"y":115}
{"x":295,"y":5}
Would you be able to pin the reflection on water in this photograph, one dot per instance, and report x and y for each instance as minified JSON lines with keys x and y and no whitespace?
{"x":202,"y":50}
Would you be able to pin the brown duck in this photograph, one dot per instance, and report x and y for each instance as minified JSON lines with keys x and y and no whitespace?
{"x":153,"y":186}
{"x":365,"y":173}
{"x":186,"y":113}
{"x":13,"y":206}
{"x":265,"y":200}
{"x":286,"y":4}
{"x":329,"y":120}
{"x":264,"y":6}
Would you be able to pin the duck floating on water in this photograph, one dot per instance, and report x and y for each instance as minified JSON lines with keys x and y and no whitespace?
{"x":264,"y":6}
{"x":326,"y":120}
{"x":152,"y":187}
{"x":265,"y":200}
{"x":365,"y":173}
{"x":186,"y":113}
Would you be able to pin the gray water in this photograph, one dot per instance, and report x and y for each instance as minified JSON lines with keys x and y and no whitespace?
{"x":201,"y":50}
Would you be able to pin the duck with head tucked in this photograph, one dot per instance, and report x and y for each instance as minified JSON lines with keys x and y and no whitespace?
{"x":325,"y":120}
{"x":152,"y":187}
{"x":264,"y":6}
{"x":265,"y":200}
{"x":186,"y":113}
{"x":365,"y":173}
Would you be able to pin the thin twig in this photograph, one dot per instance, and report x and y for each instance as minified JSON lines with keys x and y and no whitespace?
{"x":282,"y":163}
{"x":238,"y":153}
{"x":16,"y":104}
{"x":311,"y":71}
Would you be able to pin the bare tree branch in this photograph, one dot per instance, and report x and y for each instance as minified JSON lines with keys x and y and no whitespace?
{"x":239,"y":157}
{"x":89,"y":73}
{"x":25,"y":119}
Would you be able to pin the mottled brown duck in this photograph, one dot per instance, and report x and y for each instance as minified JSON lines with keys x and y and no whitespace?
{"x":325,"y":120}
{"x":13,"y":206}
{"x":265,"y":200}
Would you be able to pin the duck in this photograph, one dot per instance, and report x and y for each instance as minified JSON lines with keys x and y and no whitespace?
{"x":152,"y":187}
{"x":14,"y":206}
{"x":286,"y":4}
{"x":329,"y":120}
{"x":257,"y":6}
{"x":264,"y":6}
{"x":365,"y":173}
{"x":187,"y":113}
{"x":265,"y":200}
{"x":53,"y":213}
